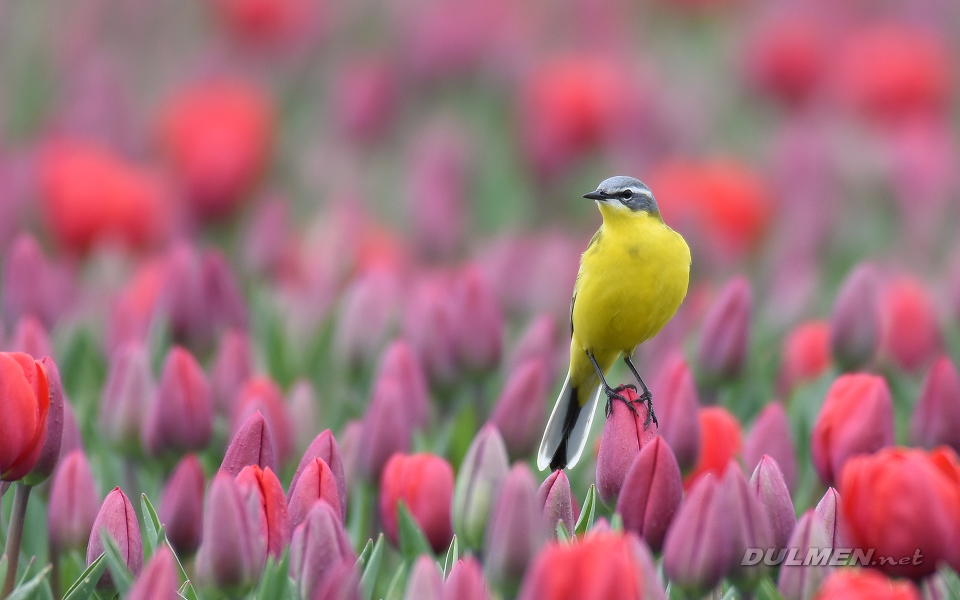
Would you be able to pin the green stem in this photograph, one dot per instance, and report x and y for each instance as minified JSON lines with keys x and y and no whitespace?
{"x":14,"y":535}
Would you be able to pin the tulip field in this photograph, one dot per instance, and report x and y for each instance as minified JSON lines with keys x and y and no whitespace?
{"x":285,"y":299}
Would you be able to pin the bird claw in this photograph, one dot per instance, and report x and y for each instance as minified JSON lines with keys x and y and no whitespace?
{"x":647,"y":398}
{"x":613,"y":393}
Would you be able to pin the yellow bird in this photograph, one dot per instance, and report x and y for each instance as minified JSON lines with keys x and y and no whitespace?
{"x":632,"y":278}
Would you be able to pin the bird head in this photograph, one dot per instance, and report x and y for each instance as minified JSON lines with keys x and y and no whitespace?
{"x":624,"y":196}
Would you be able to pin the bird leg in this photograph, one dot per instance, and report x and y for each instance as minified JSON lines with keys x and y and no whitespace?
{"x":646,"y":396}
{"x":612,"y":392}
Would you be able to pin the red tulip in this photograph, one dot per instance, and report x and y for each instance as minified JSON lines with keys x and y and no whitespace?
{"x":806,"y":354}
{"x":677,"y":404}
{"x":218,"y":135}
{"x":938,"y":409}
{"x":720,"y":443}
{"x":865,"y":584}
{"x":265,"y":489}
{"x":53,"y":439}
{"x":117,"y":519}
{"x":74,"y":503}
{"x":901,"y":501}
{"x":324,"y":447}
{"x":607,"y":566}
{"x":624,"y":435}
{"x":651,"y":493}
{"x":180,"y":416}
{"x":181,"y":506}
{"x":911,"y":334}
{"x":771,"y":435}
{"x":787,"y":56}
{"x":725,"y":335}
{"x":424,"y":483}
{"x":855,"y":322}
{"x":317,"y":482}
{"x":271,"y":24}
{"x":25,"y":404}
{"x":521,"y":410}
{"x":261,"y":393}
{"x":856,"y":418}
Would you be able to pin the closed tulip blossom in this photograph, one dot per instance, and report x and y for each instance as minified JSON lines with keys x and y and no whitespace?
{"x":53,"y":440}
{"x":428,"y":324}
{"x":901,"y":501}
{"x":725,"y":335}
{"x":263,"y":394}
{"x":800,"y":581}
{"x":465,"y":581}
{"x":117,"y":519}
{"x":720,"y":442}
{"x":855,"y":321}
{"x":864,"y":584}
{"x":318,"y":546}
{"x":515,"y":531}
{"x":181,"y":506}
{"x":366,"y":98}
{"x":74,"y":503}
{"x":478,"y":322}
{"x":232,"y":553}
{"x":624,"y":435}
{"x":677,"y":404}
{"x":252,"y":445}
{"x":911,"y":335}
{"x":771,"y":435}
{"x":769,"y":488}
{"x":835,"y":524}
{"x":324,"y":447}
{"x":264,"y":487}
{"x":303,"y":408}
{"x":180,"y":416}
{"x":937,"y":411}
{"x":159,"y":580}
{"x":401,"y":366}
{"x":222,"y":298}
{"x":481,"y":471}
{"x":30,"y":337}
{"x":521,"y":410}
{"x":425,"y":581}
{"x":556,"y":501}
{"x":126,"y":394}
{"x":856,"y":418}
{"x":753,"y":527}
{"x":368,"y":309}
{"x":232,"y":367}
{"x":607,"y":566}
{"x":385,"y":430}
{"x":806,"y":355}
{"x":539,"y":340}
{"x":651,"y":493}
{"x":424,"y":483}
{"x":25,"y":404}
{"x":26,"y":282}
{"x":317,"y":482}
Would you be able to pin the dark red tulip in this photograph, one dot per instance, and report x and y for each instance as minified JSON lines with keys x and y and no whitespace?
{"x":317,"y":482}
{"x":937,"y":411}
{"x":625,"y":433}
{"x":318,"y":546}
{"x":252,"y":445}
{"x":651,"y":493}
{"x":180,"y":417}
{"x":117,"y":519}
{"x":264,"y":487}
{"x":74,"y":503}
{"x":160,"y":579}
{"x":50,"y":454}
{"x":181,"y":506}
{"x":771,"y":435}
{"x":556,"y":501}
{"x":677,"y":406}
{"x":126,"y":395}
{"x":424,"y":483}
{"x":720,"y":443}
{"x":25,"y":404}
{"x":521,"y":410}
{"x":325,"y":447}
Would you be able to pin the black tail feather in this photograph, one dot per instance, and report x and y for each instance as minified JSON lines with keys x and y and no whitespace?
{"x":559,"y":460}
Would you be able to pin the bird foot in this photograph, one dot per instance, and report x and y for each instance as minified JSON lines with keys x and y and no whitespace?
{"x":647,"y":398}
{"x":614,"y":393}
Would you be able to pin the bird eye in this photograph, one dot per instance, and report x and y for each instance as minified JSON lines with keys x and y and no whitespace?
{"x":627,"y":194}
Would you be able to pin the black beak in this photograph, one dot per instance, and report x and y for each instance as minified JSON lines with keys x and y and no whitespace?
{"x":596,"y":196}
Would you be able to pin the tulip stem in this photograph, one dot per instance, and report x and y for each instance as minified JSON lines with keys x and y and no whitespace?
{"x":14,"y":535}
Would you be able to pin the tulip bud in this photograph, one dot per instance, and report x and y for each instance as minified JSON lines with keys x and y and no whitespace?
{"x":800,"y":582}
{"x":25,"y":288}
{"x":180,"y":416}
{"x":465,"y":581}
{"x":855,"y":323}
{"x":861,"y":584}
{"x":483,"y":468}
{"x":720,"y":443}
{"x":726,"y":331}
{"x":400,"y":364}
{"x":123,"y":403}
{"x":911,"y":332}
{"x":117,"y":518}
{"x":181,"y":300}
{"x":624,"y":434}
{"x":438,"y":190}
{"x":677,"y":403}
{"x":72,"y":439}
{"x":556,"y":501}
{"x":252,"y":445}
{"x":752,"y":526}
{"x":181,"y":506}
{"x":477,"y":322}
{"x":367,"y":312}
{"x":223,"y":302}
{"x":834,"y":523}
{"x":73,"y":505}
{"x":424,"y":483}
{"x":366,"y":98}
{"x":937,"y":411}
{"x":50,"y":454}
{"x":30,"y":337}
{"x":386,"y":430}
{"x":429,"y":326}
{"x":651,"y":493}
{"x":24,"y":404}
{"x":341,"y":583}
{"x":521,"y":411}
{"x":856,"y":418}
{"x":806,"y":355}
{"x":425,"y":582}
{"x":770,"y":490}
{"x":232,"y":367}
{"x":324,"y":447}
{"x":317,"y":482}
{"x":319,"y":544}
{"x":538,"y":340}
{"x":232,"y":553}
{"x":261,"y":393}
{"x":771,"y":436}
{"x":516,"y":529}
{"x":160,"y":579}
{"x":697,"y":550}
{"x":267,"y":493}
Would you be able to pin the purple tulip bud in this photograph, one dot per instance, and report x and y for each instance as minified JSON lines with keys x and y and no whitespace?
{"x":771,"y":435}
{"x":302,"y":406}
{"x":252,"y":445}
{"x":117,"y":518}
{"x":366,"y":98}
{"x":834,"y":523}
{"x":483,"y":468}
{"x":74,"y":503}
{"x":770,"y":489}
{"x":180,"y":416}
{"x":802,"y":581}
{"x":478,"y":322}
{"x":50,"y":454}
{"x":317,"y":482}
{"x":267,"y":235}
{"x":181,"y":296}
{"x":72,"y":439}
{"x":223,"y":302}
{"x":232,"y":367}
{"x":425,"y":581}
{"x":125,"y":396}
{"x":181,"y":506}
{"x":538,"y":340}
{"x":342,"y":582}
{"x":263,"y":394}
{"x":319,"y":544}
{"x":232,"y":553}
{"x":521,"y":411}
{"x":624,"y":435}
{"x":678,"y":406}
{"x":516,"y":529}
{"x":465,"y":581}
{"x":25,"y":281}
{"x":556,"y":501}
{"x":324,"y":447}
{"x":30,"y":337}
{"x":160,"y":579}
{"x":367,"y":311}
{"x":752,"y":527}
{"x":697,"y":551}
{"x":651,"y":493}
{"x":438,"y":188}
{"x":400,"y":364}
{"x":726,"y":331}
{"x":428,"y":324}
{"x":855,"y":323}
{"x":938,"y":410}
{"x":386,"y":429}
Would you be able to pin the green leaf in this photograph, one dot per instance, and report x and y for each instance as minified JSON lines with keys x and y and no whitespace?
{"x":585,"y":523}
{"x":151,"y":522}
{"x":368,"y":581}
{"x":453,"y":555}
{"x":27,"y":589}
{"x":274,"y":580}
{"x":767,"y":590}
{"x":83,"y":587}
{"x":365,"y":554}
{"x":413,"y":542}
{"x":562,"y":534}
{"x":26,"y":570}
{"x":951,"y":582}
{"x":122,"y":577}
{"x":616,"y":522}
{"x":186,"y":590}
{"x":3,"y":570}
{"x":397,"y":584}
